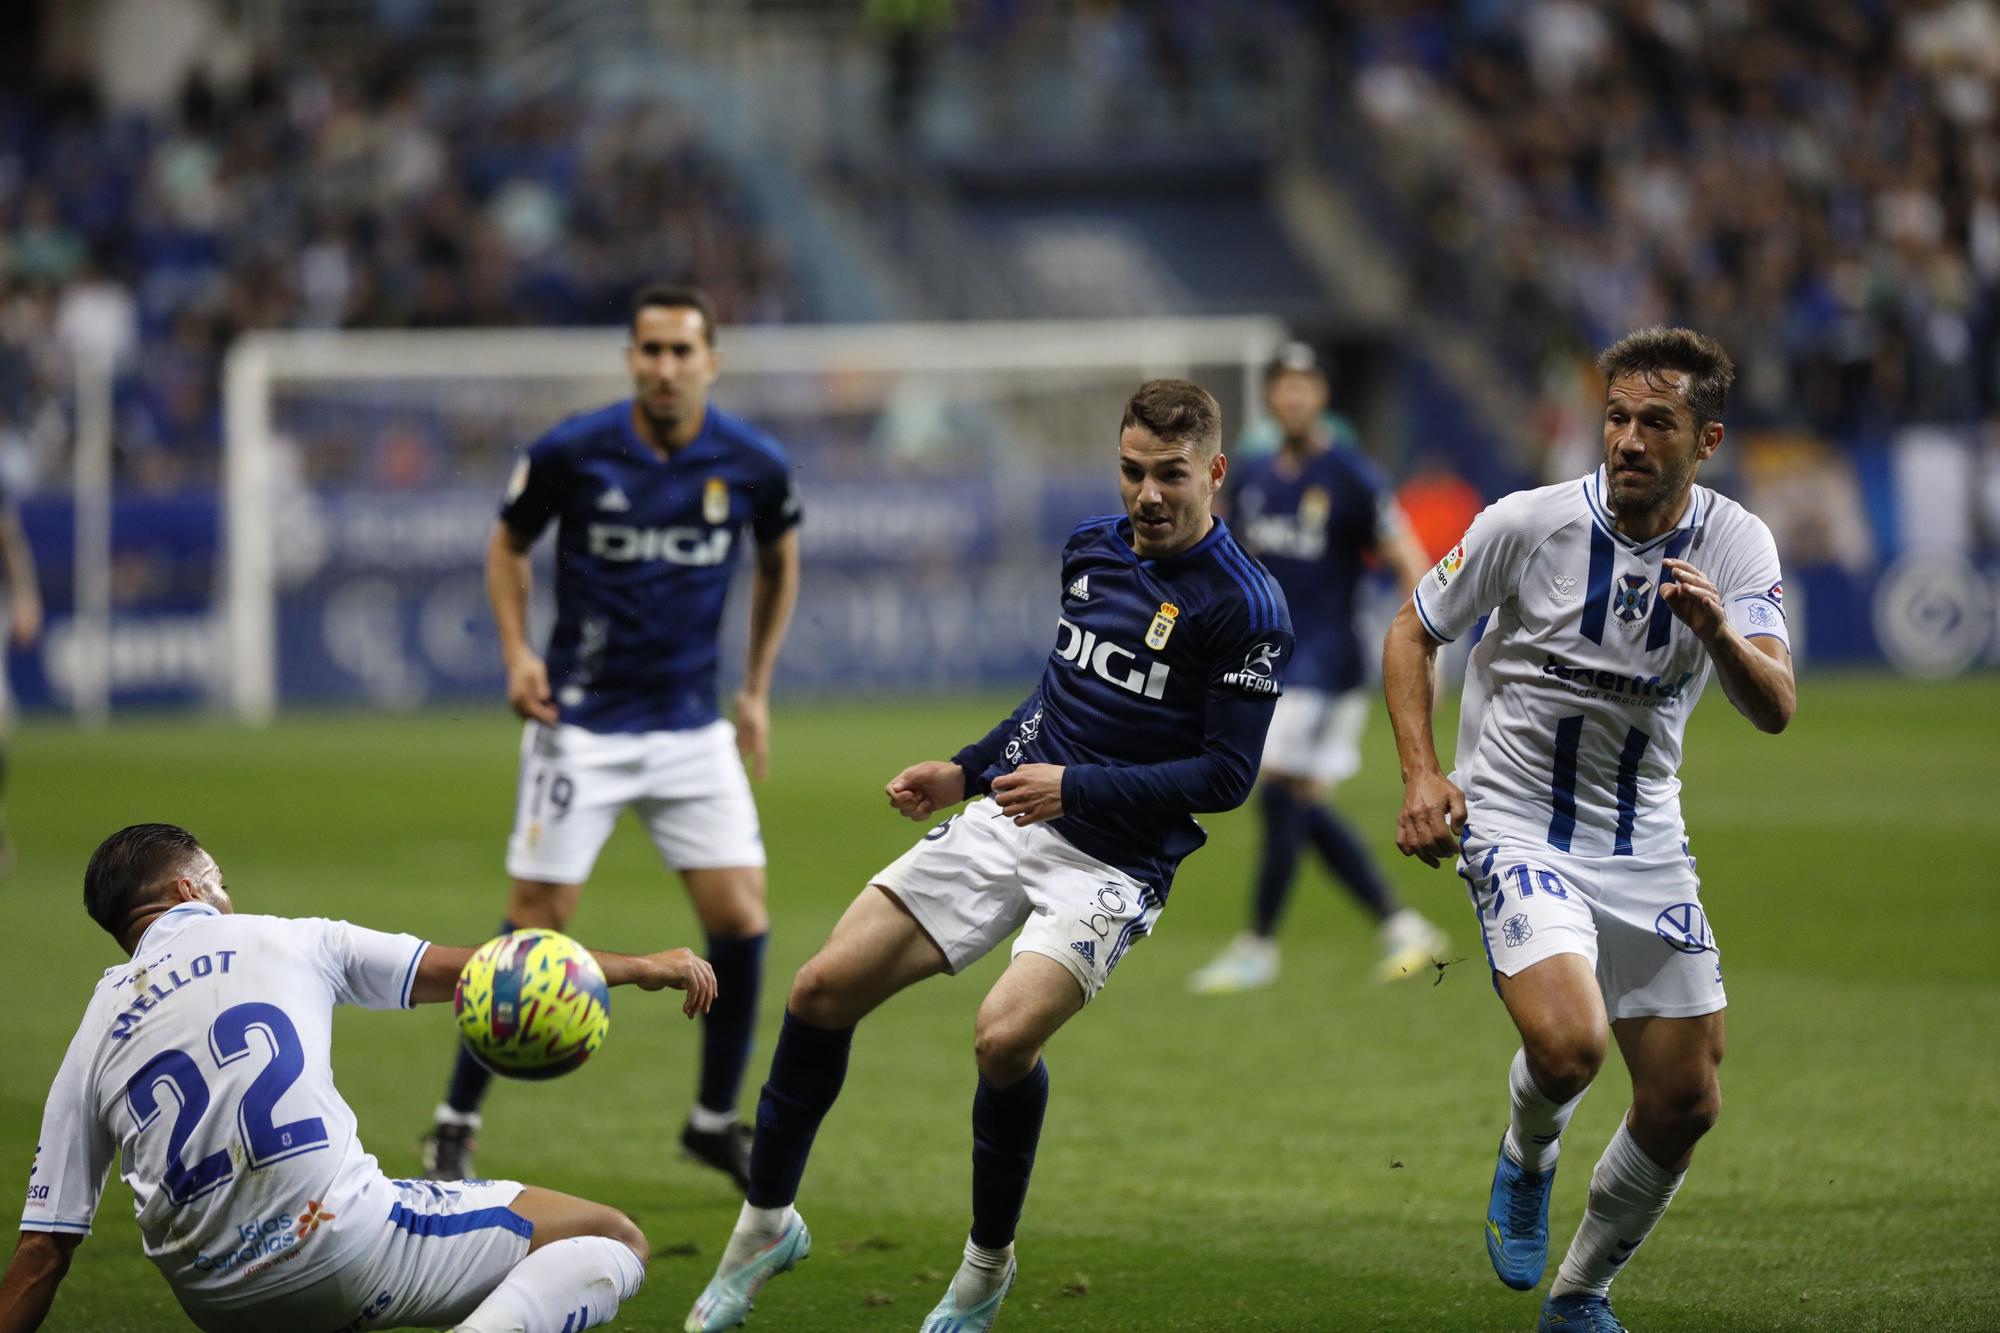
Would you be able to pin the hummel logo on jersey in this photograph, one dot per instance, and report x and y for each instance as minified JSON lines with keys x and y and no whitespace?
{"x":1088,"y":948}
{"x":1565,"y":587}
{"x":1080,"y":589}
{"x":614,"y":500}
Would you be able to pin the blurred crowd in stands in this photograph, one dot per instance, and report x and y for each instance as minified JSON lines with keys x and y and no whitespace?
{"x":324,"y":198}
{"x":1817,"y":184}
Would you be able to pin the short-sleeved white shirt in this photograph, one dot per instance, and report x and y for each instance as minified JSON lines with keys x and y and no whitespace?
{"x":203,"y":1068}
{"x":1578,"y":693}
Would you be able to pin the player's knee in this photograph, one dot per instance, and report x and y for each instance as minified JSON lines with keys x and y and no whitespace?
{"x":616,"y":1226}
{"x":1302,"y":790}
{"x":1565,"y":1061}
{"x":734,"y":909}
{"x":539,"y":906}
{"x":818,"y":995}
{"x":1005,"y":1049}
{"x":1681,"y":1111}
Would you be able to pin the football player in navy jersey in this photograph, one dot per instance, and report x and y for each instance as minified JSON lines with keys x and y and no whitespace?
{"x":24,"y":626}
{"x":1315,"y":514}
{"x":652,"y":498}
{"x":1170,"y":647}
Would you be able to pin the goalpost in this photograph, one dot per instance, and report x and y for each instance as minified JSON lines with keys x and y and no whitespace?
{"x":939,"y":465}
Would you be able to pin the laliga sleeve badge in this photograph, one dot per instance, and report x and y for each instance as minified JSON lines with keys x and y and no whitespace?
{"x":715,"y":501}
{"x":518,"y":481}
{"x":1162,"y":627}
{"x":1454,"y":560}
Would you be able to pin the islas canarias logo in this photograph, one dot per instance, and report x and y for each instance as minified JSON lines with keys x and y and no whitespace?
{"x":312,"y":1217}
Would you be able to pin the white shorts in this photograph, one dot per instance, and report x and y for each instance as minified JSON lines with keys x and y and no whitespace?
{"x":1317,"y":736}
{"x":688,"y":788}
{"x":442,"y":1249}
{"x":976,"y":878}
{"x":1638,"y":919}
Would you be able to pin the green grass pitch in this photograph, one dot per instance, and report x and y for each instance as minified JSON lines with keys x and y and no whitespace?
{"x":1315,"y":1156}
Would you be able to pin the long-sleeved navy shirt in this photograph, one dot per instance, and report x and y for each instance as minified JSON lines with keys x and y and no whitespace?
{"x":1155,"y":700}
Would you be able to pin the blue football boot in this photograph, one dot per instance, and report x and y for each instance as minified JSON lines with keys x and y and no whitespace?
{"x":727,"y":1299}
{"x":1517,"y":1222}
{"x":1578,"y":1314}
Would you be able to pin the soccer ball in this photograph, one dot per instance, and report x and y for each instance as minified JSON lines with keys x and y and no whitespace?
{"x":532,"y":1004}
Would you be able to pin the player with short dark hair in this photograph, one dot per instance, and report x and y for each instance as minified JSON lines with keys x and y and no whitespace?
{"x":652,"y":498}
{"x":1316,"y":515}
{"x":1607,"y":601}
{"x":203,"y":1070}
{"x":1170,"y":647}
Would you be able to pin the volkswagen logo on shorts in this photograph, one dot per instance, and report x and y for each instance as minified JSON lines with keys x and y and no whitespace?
{"x":1685,"y":928}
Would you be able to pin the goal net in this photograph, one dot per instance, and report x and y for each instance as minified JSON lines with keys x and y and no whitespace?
{"x":940,"y":467}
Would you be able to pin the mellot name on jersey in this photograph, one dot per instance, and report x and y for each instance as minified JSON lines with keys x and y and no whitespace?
{"x":676,"y":546}
{"x":160,"y":984}
{"x":1105,"y":660}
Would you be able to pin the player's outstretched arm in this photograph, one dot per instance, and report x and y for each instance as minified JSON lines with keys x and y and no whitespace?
{"x":41,"y":1259}
{"x":1433,"y":813}
{"x":1756,"y":674}
{"x":673,"y":969}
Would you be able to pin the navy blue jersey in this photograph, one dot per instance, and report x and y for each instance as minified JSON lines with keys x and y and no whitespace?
{"x":1312,"y":528}
{"x":644,"y":550}
{"x":1155,"y":700}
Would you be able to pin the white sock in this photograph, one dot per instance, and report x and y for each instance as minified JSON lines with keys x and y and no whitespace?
{"x":1629,"y":1193}
{"x":980,"y":1275}
{"x":1534,"y":1133}
{"x":444,"y":1115}
{"x":570,"y":1285}
{"x":704,"y":1121}
{"x":755,"y":1228}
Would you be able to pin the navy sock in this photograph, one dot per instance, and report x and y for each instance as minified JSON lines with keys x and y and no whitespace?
{"x":1006,"y":1126}
{"x":469,"y":1078}
{"x":807,"y":1070}
{"x":730,"y":1026}
{"x":1350,"y":862}
{"x":1278,"y":860}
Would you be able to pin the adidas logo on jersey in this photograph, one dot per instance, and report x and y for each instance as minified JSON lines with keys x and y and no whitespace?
{"x":614,"y":500}
{"x":1080,"y":590}
{"x":1088,"y":948}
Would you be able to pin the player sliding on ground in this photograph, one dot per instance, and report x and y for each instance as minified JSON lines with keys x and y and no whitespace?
{"x":1607,"y":600}
{"x":203,"y":1067}
{"x":1169,"y":651}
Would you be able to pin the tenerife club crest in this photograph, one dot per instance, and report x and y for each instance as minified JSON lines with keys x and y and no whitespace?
{"x":1162,"y":627}
{"x":715,"y":501}
{"x":1632,"y":598}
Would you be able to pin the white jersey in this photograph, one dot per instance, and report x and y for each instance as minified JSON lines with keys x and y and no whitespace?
{"x":203,"y":1067}
{"x":1578,"y":695}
